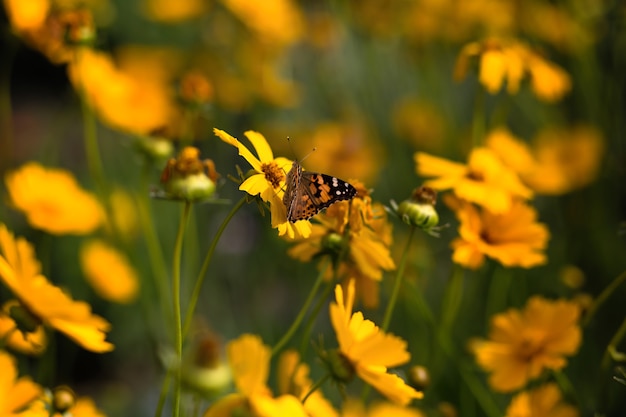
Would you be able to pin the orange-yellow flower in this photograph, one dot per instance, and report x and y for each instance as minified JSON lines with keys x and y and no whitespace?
{"x":249,"y":361}
{"x":109,"y":272}
{"x":27,"y":15}
{"x":369,"y":350}
{"x":21,"y":273}
{"x":510,"y":61}
{"x":293,"y":378}
{"x":355,"y":408}
{"x":358,"y":231}
{"x":15,"y":394}
{"x":29,"y":341}
{"x":513,"y":238}
{"x":544,"y":401}
{"x":522,"y":344}
{"x":174,"y":11}
{"x":485,"y":180}
{"x":268,"y":181}
{"x":560,"y":160}
{"x":52,"y":200}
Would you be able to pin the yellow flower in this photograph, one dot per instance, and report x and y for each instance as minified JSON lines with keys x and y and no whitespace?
{"x":485,"y":180}
{"x":509,"y":61}
{"x":513,"y":238}
{"x":268,"y":181}
{"x":52,"y":200}
{"x":273,"y":21}
{"x":109,"y":272}
{"x":21,"y":272}
{"x":369,"y":350}
{"x":522,"y":344}
{"x":359,"y":233}
{"x":65,"y":403}
{"x":174,"y":11}
{"x":29,"y":341}
{"x":293,"y":378}
{"x":132,"y":99}
{"x":249,"y":361}
{"x":544,"y":401}
{"x":15,"y":394}
{"x":561,"y":160}
{"x":124,"y":217}
{"x":27,"y":15}
{"x":354,"y":408}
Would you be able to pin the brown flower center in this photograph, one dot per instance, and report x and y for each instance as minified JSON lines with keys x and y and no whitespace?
{"x":273,"y":174}
{"x":529,"y":348}
{"x":476,"y":176}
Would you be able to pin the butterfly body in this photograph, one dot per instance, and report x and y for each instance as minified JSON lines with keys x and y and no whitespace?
{"x":307,"y":192}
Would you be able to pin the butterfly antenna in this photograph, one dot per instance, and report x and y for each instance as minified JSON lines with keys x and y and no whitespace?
{"x":294,"y":152}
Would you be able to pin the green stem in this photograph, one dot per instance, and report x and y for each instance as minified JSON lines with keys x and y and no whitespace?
{"x":612,"y":346}
{"x":498,"y":289}
{"x":176,"y":262}
{"x":165,"y":386}
{"x":604,"y":295}
{"x":478,"y":118}
{"x":306,"y":334}
{"x":294,"y":326}
{"x":195,"y":295}
{"x":398,"y":282}
{"x":452,"y":298}
{"x":315,"y":386}
{"x":155,"y":254}
{"x":566,"y":385}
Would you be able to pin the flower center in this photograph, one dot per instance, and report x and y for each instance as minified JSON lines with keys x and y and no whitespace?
{"x":530,"y":347}
{"x":475,"y":175}
{"x":273,"y":174}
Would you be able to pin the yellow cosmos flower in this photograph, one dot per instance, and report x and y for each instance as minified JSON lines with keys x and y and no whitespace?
{"x":27,"y":341}
{"x":513,"y":238}
{"x":249,"y":360}
{"x":174,"y":11}
{"x":274,"y":21}
{"x":485,"y":180}
{"x":268,"y":181}
{"x":27,"y":15}
{"x":134,"y":99}
{"x":561,"y":160}
{"x":510,"y":61}
{"x":21,"y":272}
{"x":15,"y":394}
{"x":369,"y":350}
{"x":522,"y":344}
{"x":544,"y":401}
{"x":52,"y":200}
{"x":109,"y":272}
{"x":293,"y":378}
{"x":358,"y":231}
{"x":355,"y":408}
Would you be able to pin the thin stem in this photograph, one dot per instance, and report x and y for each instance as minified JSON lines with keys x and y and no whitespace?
{"x":176,"y":262}
{"x":316,"y":386}
{"x":294,"y":326}
{"x":478,"y":118}
{"x":452,"y":298}
{"x":566,"y":385}
{"x":165,"y":386}
{"x":612,"y":346}
{"x":195,"y":295}
{"x":398,"y":282}
{"x":604,"y":295}
{"x":308,"y":327}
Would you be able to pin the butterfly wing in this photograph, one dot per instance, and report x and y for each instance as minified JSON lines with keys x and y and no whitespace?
{"x":316,"y":192}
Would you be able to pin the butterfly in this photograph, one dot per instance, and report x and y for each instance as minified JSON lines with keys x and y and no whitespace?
{"x":307,"y":192}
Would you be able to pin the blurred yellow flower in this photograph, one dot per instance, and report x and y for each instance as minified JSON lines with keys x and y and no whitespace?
{"x":355,"y":408}
{"x":109,"y":272}
{"x":513,"y":238}
{"x":123,"y":214}
{"x":29,"y":341}
{"x":485,"y":180}
{"x":273,"y":21}
{"x":420,"y":123}
{"x":27,"y":15}
{"x":136,"y":99}
{"x":544,"y":401}
{"x":510,"y":61}
{"x":21,"y":273}
{"x":369,"y":350}
{"x":522,"y":344}
{"x":268,"y":181}
{"x":561,"y":160}
{"x":249,"y":360}
{"x":359,"y":232}
{"x":15,"y":394}
{"x":52,"y":200}
{"x":167,"y":11}
{"x":293,"y":378}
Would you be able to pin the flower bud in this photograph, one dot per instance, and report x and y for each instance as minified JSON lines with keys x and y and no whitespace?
{"x":206,"y":371}
{"x":63,"y":398}
{"x":154,"y":146}
{"x":189,"y":178}
{"x":419,"y":210}
{"x":418,"y":377}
